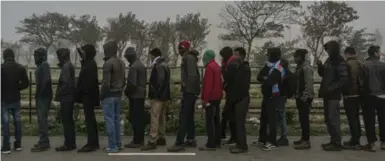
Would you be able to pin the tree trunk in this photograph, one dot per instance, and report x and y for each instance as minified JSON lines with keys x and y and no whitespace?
{"x":249,"y":43}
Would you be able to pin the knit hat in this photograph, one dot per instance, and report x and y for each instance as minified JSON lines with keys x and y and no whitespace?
{"x":8,"y":54}
{"x":184,"y":44}
{"x":208,"y":56}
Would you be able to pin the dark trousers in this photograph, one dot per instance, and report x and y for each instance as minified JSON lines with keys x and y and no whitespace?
{"x":91,"y":124}
{"x":372,"y":106}
{"x":67,"y":118}
{"x":186,"y":119}
{"x":42,"y":109}
{"x":269,"y":119}
{"x":304,"y":112}
{"x":333,"y":120}
{"x":352,"y":110}
{"x":136,"y":116}
{"x":226,"y":121}
{"x":240,"y":109}
{"x":212,"y":124}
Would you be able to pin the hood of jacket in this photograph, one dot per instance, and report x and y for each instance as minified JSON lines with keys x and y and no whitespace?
{"x":208,"y":56}
{"x":8,"y":55}
{"x":40,"y":56}
{"x":226,"y":53}
{"x":110,"y":50}
{"x":63,"y":55}
{"x":89,"y":51}
{"x":273,"y":54}
{"x":333,"y":49}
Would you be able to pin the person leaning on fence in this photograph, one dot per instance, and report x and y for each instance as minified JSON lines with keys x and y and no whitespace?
{"x":136,"y":93}
{"x":113,"y":82}
{"x":335,"y":76}
{"x":352,"y":101}
{"x":190,"y":81}
{"x":87,"y":93}
{"x":373,"y":76}
{"x":212,"y":89}
{"x":159,"y":93}
{"x":43,"y":96}
{"x":14,"y":78}
{"x":65,"y":95}
{"x":304,"y":94}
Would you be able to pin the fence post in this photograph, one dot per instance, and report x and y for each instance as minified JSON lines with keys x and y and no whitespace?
{"x":30,"y":97}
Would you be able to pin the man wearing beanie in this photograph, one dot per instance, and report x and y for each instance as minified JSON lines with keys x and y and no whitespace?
{"x":136,"y":93}
{"x":211,"y":98}
{"x":270,"y":76}
{"x":43,"y":98}
{"x":14,"y":78}
{"x":190,"y":81}
{"x":335,"y":76}
{"x":304,"y":95}
{"x":159,"y":93}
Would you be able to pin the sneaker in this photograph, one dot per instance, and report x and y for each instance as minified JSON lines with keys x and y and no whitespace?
{"x":132,"y":145}
{"x":161,"y":141}
{"x":348,"y":145}
{"x":40,"y":148}
{"x":191,"y":143}
{"x":236,"y":150}
{"x":65,"y":148}
{"x":268,"y":147}
{"x":5,"y":150}
{"x":205,"y":148}
{"x":332,"y":147}
{"x":283,"y":142}
{"x":230,"y":142}
{"x":149,"y":146}
{"x":371,"y":147}
{"x":109,"y":150}
{"x":176,"y":148}
{"x":298,"y":142}
{"x":17,"y":146}
{"x":302,"y":145}
{"x":383,"y":145}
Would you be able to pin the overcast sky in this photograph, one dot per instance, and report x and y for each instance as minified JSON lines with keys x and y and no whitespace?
{"x":371,"y":14}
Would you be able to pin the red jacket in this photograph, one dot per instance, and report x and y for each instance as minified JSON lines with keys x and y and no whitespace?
{"x":212,"y":82}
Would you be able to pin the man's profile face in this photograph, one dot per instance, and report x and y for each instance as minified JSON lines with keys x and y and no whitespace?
{"x":297,"y":59}
{"x":181,"y":50}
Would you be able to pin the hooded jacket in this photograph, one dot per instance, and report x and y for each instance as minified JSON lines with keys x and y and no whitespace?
{"x":159,"y":87}
{"x":14,"y":78}
{"x":271,"y":77}
{"x":42,"y":76}
{"x":212,"y":79}
{"x":87,"y":88}
{"x":136,"y":76}
{"x":334,"y":73}
{"x":65,"y":91}
{"x":373,"y":77}
{"x":238,"y":80}
{"x":113,"y":80}
{"x":190,"y":76}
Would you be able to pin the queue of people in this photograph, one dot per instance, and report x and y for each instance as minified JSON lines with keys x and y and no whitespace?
{"x":361,"y":85}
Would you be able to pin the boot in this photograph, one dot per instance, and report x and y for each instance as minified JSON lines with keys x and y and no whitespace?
{"x":302,"y":145}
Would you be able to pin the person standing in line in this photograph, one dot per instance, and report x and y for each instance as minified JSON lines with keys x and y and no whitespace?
{"x":227,"y":56}
{"x":373,"y":77}
{"x":14,"y":78}
{"x":43,"y":96}
{"x":351,"y":100}
{"x":304,"y":95}
{"x":238,"y":97}
{"x":113,"y":82}
{"x":65,"y":95}
{"x":87,"y":93}
{"x":159,"y":92}
{"x":335,"y":76}
{"x":190,"y":81}
{"x":212,"y":88}
{"x":271,"y":76}
{"x":136,"y":93}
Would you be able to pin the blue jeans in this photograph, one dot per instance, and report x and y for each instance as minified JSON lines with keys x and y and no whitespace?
{"x":281,"y":112}
{"x":14,"y":110}
{"x":111,"y":110}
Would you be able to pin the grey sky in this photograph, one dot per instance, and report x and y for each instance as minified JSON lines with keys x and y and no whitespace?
{"x":371,"y":14}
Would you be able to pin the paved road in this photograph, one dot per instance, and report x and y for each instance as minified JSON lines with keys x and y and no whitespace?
{"x":254,"y":154}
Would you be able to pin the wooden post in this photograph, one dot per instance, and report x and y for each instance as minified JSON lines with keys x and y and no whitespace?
{"x":30,"y":97}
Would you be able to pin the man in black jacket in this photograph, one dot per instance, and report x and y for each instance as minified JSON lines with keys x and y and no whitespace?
{"x":190,"y":81}
{"x":304,"y":94}
{"x":136,"y":93}
{"x":159,"y":93}
{"x":65,"y":94}
{"x":43,"y":98}
{"x":271,"y":76}
{"x":335,"y":75}
{"x":238,"y":97}
{"x":87,"y":93}
{"x":352,"y":101}
{"x":14,"y":78}
{"x":373,"y":77}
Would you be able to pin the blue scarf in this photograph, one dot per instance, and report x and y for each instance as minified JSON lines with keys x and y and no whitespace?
{"x":277,"y":65}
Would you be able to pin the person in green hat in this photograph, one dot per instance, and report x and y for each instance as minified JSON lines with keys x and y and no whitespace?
{"x":211,"y":98}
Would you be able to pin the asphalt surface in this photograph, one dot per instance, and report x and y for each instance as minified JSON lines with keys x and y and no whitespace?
{"x":254,"y":154}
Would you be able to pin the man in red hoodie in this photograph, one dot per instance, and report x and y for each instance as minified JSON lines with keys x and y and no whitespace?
{"x":211,"y":98}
